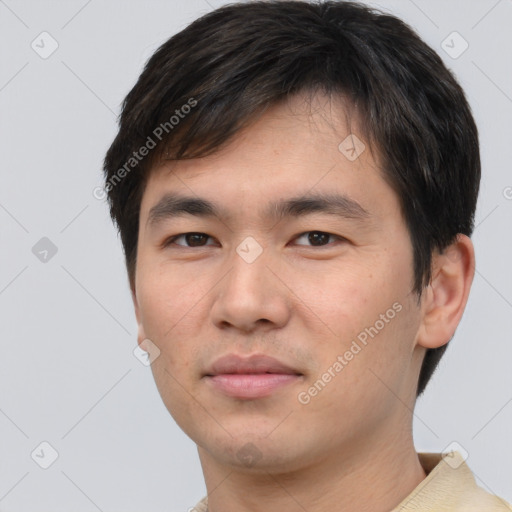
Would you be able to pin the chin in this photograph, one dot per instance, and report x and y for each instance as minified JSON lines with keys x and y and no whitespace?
{"x":257,"y":452}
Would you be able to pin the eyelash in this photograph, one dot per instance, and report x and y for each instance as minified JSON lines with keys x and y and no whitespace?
{"x":171,"y":240}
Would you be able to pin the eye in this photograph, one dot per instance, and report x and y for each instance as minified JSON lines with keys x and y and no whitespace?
{"x":196,"y":239}
{"x":318,"y":238}
{"x":192,"y":239}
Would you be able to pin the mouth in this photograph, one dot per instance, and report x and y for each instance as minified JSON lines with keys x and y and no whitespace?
{"x":252,"y":377}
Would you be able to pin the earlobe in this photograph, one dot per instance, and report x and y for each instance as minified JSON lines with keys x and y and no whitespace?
{"x":141,"y":334}
{"x":445,"y":299}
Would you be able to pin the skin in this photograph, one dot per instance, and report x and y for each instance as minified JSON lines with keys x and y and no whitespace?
{"x":350,"y":447}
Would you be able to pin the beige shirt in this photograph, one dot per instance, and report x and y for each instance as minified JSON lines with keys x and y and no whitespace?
{"x":449,"y":487}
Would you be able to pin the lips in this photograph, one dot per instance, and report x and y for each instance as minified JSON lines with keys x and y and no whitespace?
{"x":255,"y":364}
{"x":256,"y":376}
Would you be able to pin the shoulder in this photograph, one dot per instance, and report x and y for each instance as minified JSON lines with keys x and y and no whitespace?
{"x":450,"y":486}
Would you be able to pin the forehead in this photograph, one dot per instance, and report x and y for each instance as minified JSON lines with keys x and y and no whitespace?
{"x":305,"y":145}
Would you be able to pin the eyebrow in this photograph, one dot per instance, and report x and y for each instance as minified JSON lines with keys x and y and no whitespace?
{"x":173,"y":205}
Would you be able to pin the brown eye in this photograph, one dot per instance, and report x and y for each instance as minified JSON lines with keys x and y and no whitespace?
{"x":196,"y":239}
{"x":317,"y":238}
{"x":191,"y":240}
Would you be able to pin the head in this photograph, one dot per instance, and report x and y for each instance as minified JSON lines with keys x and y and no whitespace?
{"x":260,"y":102}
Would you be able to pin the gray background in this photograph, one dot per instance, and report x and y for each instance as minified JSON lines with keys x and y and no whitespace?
{"x":67,"y":372}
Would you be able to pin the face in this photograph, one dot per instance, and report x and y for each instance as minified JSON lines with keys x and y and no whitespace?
{"x":284,"y":339}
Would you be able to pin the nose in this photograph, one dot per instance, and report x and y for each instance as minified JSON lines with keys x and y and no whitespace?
{"x":252,"y":295}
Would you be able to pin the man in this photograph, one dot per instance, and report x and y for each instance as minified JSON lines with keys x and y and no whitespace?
{"x":295,"y":187}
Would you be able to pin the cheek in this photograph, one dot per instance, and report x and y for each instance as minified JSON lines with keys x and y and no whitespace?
{"x":369,"y":318}
{"x":166,"y":297}
{"x":348,"y":297}
{"x":167,"y":314}
{"x":360,"y":377}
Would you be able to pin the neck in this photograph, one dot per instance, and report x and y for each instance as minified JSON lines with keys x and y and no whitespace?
{"x":366,"y":477}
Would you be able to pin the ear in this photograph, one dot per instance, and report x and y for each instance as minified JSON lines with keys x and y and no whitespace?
{"x":141,"y":335}
{"x":445,"y":298}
